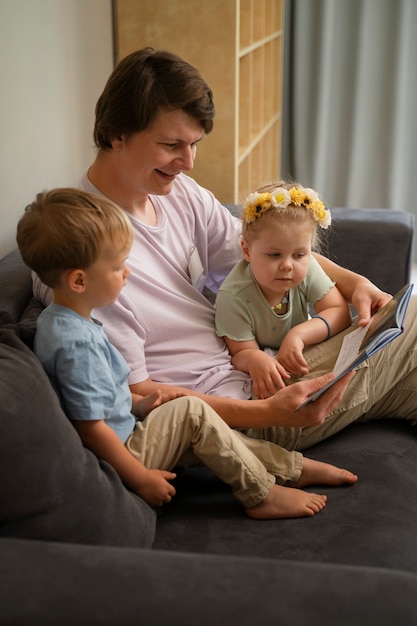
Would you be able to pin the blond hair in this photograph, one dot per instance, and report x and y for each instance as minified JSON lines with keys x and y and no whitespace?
{"x":68,"y":228}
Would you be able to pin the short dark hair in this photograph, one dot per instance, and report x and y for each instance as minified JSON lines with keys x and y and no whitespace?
{"x":143,"y":84}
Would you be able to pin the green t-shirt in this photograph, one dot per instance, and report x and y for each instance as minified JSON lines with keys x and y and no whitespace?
{"x":243,"y":313}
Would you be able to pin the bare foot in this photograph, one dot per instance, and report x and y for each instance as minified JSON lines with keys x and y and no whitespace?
{"x":318,"y":473}
{"x":284,"y":502}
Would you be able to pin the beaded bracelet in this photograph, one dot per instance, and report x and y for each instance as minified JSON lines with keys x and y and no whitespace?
{"x":329,"y":332}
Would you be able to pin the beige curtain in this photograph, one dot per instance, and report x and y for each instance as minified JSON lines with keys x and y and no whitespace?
{"x":350,"y":101}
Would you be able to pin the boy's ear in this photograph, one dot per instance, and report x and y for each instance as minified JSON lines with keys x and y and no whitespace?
{"x":117,"y":142}
{"x":76,"y":280}
{"x":245,"y":250}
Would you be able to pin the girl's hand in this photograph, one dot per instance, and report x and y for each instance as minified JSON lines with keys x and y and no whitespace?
{"x":367,"y":300}
{"x":267,"y":374}
{"x":290,"y":354}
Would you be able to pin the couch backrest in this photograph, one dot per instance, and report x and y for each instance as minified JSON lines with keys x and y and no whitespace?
{"x":377,"y":243}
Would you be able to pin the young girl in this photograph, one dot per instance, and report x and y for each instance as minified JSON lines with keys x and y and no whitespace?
{"x":264,"y":302}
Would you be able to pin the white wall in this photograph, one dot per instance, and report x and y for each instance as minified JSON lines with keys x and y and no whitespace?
{"x":55,"y":56}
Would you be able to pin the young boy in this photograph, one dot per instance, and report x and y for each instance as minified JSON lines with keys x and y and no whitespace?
{"x":78,"y":244}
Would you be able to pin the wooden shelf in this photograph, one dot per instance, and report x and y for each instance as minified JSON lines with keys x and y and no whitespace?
{"x":238,"y":47}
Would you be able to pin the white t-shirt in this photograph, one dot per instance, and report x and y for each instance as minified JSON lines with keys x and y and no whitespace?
{"x":161,"y":322}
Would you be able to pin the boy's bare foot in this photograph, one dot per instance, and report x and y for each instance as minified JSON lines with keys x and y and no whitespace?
{"x":284,"y":502}
{"x":318,"y":473}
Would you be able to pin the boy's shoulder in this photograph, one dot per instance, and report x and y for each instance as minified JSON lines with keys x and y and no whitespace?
{"x":63,"y":334}
{"x":60,"y":313}
{"x":63,"y":322}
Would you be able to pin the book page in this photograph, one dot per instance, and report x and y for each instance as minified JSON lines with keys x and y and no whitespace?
{"x":349,"y":349}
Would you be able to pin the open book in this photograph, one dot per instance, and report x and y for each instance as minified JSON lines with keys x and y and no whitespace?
{"x":363,"y":342}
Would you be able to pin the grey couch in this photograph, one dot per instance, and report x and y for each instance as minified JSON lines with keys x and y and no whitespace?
{"x":78,"y":548}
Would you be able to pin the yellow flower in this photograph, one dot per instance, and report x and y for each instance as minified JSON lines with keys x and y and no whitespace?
{"x":263,"y":200}
{"x":321,"y":214}
{"x":255,"y":204}
{"x":297,"y":196}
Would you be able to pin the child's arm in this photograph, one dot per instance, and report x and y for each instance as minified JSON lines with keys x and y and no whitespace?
{"x":143,"y":405}
{"x":334,"y":316}
{"x":266,"y":372}
{"x":151,"y":485}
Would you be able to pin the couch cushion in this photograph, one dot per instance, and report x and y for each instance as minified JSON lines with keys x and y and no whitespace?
{"x":16,"y":284}
{"x":372,"y":523}
{"x":52,"y":487}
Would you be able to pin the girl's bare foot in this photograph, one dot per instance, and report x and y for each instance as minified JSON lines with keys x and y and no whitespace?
{"x":318,"y":473}
{"x":284,"y":502}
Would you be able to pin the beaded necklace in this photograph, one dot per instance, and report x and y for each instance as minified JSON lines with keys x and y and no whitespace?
{"x":277,"y":308}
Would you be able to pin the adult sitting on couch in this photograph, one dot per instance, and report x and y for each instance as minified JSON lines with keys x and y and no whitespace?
{"x":184,"y":239}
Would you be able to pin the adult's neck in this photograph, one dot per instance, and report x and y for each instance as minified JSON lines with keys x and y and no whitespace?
{"x":111,"y":182}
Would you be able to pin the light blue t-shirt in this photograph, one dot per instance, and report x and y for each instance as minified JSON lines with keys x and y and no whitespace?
{"x":88,"y":373}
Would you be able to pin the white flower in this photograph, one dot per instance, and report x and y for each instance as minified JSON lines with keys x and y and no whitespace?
{"x":326,"y":220}
{"x":281,"y":199}
{"x":312,"y":194}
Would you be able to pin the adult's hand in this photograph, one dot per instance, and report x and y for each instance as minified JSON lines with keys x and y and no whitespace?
{"x":313,"y":414}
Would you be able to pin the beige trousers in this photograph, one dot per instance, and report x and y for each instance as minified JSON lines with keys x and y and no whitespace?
{"x":384,"y":386}
{"x":252,"y":460}
{"x":251,"y":466}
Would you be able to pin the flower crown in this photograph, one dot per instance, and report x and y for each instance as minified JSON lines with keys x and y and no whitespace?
{"x":258,"y":203}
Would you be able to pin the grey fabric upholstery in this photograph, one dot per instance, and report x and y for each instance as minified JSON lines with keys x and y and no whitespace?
{"x":52,"y":487}
{"x":371,"y":524}
{"x":16,"y":286}
{"x":363,"y":241}
{"x":63,"y":585}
